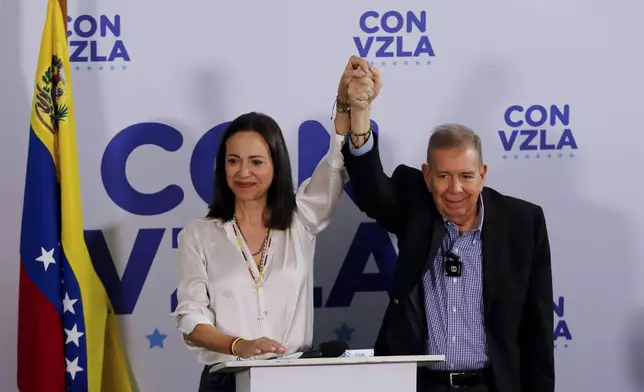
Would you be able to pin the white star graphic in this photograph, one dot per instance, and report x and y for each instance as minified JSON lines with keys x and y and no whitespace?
{"x":46,"y":257}
{"x":73,"y":335}
{"x":73,"y":368}
{"x":68,"y":304}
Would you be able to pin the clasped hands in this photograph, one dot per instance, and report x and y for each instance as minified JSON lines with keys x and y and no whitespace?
{"x":358,"y":87}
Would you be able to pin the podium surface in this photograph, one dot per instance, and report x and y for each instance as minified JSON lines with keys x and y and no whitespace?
{"x":373,"y":374}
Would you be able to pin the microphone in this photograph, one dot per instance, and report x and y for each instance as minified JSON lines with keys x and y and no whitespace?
{"x":453,"y":265}
{"x":331,"y":349}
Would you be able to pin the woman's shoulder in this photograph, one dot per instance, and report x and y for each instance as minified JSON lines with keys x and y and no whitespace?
{"x":198,"y":226}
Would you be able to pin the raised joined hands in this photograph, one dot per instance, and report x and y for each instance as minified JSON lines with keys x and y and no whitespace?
{"x":359,"y":85}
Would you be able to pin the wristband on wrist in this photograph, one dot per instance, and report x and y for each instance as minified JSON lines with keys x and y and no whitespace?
{"x":341,"y":107}
{"x":364,"y":134}
{"x":232,"y":346}
{"x":355,"y":137}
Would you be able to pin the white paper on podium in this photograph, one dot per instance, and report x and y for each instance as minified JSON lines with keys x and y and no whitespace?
{"x":291,"y":356}
{"x":347,"y":354}
{"x":358,"y":353}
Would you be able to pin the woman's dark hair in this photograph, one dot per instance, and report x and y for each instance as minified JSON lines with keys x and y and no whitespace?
{"x":281,"y":195}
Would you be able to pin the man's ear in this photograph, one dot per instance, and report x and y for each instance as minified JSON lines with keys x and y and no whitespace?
{"x":483,"y":173}
{"x":426,"y":175}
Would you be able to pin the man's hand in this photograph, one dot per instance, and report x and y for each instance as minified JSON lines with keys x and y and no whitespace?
{"x":364,"y":83}
{"x":356,"y":68}
{"x":362,"y":91}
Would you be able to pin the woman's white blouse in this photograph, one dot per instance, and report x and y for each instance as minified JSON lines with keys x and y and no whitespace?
{"x":215,"y":286}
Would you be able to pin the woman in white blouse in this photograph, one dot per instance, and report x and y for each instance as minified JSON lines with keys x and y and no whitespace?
{"x":246,"y":270}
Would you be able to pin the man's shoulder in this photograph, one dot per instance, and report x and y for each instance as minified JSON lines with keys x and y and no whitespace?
{"x":510,"y":204}
{"x":408,"y":175}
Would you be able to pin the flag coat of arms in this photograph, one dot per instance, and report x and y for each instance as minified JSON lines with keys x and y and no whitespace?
{"x":68,"y":336}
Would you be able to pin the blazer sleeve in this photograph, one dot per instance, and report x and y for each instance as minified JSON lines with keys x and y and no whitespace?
{"x":376,"y":194}
{"x":536,"y":336}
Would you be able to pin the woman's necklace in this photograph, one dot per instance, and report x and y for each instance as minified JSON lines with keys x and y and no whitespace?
{"x":257,"y":279}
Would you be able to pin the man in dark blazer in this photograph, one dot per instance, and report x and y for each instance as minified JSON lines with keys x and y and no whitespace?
{"x":473,"y":278}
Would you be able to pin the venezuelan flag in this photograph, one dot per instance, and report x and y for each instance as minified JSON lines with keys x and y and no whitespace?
{"x":67,"y":331}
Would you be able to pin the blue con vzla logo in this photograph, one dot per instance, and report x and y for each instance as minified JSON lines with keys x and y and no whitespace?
{"x":537,"y":131}
{"x":96,"y":39}
{"x":562,"y":333}
{"x":394,"y":34}
{"x":368,"y":240}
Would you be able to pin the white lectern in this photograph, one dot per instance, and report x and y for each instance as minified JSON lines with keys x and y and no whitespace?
{"x":354,"y":374}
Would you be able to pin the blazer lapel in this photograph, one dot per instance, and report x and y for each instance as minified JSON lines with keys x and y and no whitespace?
{"x":417,"y":252}
{"x":438,"y":233}
{"x":496,"y":260}
{"x":425,"y":234}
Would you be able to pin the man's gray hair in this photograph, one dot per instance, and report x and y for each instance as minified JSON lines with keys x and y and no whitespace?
{"x":448,"y":136}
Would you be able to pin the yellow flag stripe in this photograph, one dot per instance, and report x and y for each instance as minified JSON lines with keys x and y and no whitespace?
{"x":107,"y":366}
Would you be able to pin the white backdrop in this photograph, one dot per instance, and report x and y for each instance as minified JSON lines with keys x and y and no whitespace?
{"x":184,"y":67}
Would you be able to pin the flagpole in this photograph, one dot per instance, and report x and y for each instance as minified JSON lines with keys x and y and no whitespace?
{"x":63,"y":7}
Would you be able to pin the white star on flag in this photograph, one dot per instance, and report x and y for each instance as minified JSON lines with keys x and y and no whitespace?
{"x":73,"y":368}
{"x":68,"y":304}
{"x":73,"y":335}
{"x":46,"y":257}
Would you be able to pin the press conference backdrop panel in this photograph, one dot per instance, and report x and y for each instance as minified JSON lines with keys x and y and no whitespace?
{"x":554,"y":88}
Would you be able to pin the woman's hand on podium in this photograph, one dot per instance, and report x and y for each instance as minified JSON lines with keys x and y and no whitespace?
{"x":264,"y":345}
